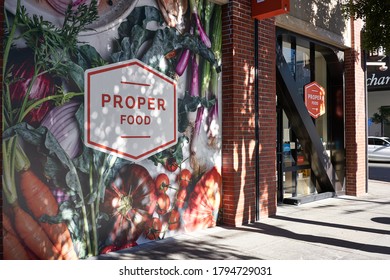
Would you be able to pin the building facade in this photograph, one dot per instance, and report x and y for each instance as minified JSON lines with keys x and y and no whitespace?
{"x":250,"y":113}
{"x":273,"y":151}
{"x":378,"y":88}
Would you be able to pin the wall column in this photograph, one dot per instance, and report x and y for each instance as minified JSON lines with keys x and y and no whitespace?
{"x":355,"y":115}
{"x":238,"y":116}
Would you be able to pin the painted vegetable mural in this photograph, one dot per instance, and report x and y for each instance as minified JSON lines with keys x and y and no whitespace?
{"x":65,"y":201}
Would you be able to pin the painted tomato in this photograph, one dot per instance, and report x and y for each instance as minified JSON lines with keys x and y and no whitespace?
{"x":184,"y":178}
{"x":181,"y":198}
{"x":129,"y":203}
{"x":153,"y":229}
{"x":174,"y":220}
{"x":162,"y":183}
{"x":108,"y":249}
{"x":171,"y":164}
{"x":163,"y":203}
{"x":203,"y":202}
{"x":128,"y":245}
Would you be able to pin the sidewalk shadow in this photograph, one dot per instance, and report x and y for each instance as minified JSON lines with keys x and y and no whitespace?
{"x":171,"y":249}
{"x":342,"y":243}
{"x":333,"y":225}
{"x":363,"y":200}
{"x":381,"y":220}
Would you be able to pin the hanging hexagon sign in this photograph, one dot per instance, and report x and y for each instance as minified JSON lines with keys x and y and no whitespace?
{"x":315,"y":99}
{"x":130,"y":110}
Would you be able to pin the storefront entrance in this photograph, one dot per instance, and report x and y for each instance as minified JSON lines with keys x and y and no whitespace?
{"x":295,"y":176}
{"x":310,"y":146}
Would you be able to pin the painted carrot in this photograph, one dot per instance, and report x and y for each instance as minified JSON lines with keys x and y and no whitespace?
{"x":40,"y":201}
{"x":27,"y":229}
{"x":13,"y":248}
{"x":33,"y":235}
{"x":7,"y":225}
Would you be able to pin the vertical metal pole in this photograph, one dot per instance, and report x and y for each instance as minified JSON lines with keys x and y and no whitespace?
{"x":364,"y":66}
{"x":257,"y":132}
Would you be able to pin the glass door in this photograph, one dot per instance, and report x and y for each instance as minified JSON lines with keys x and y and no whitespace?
{"x":309,"y":61}
{"x":295,"y":177}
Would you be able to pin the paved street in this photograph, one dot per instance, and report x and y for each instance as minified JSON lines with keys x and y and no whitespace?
{"x":379,"y":171}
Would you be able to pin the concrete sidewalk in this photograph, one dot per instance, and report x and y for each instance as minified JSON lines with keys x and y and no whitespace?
{"x":340,"y":228}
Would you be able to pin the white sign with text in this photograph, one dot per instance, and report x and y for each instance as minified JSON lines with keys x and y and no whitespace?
{"x":130,"y":110}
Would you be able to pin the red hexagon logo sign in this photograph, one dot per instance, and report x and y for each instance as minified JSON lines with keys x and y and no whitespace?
{"x":315,"y":99}
{"x":130,"y":110}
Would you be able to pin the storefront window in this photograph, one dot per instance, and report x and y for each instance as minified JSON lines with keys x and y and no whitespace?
{"x":321,"y":77}
{"x":296,"y":166}
{"x":309,"y":62}
{"x":303,"y":75}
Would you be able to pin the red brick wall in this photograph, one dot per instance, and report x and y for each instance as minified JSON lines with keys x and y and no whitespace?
{"x":356,"y":120}
{"x":238,"y":103}
{"x":267,"y":117}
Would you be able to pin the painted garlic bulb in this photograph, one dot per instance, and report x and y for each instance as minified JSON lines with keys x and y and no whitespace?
{"x":173,"y":12}
{"x":62,"y":5}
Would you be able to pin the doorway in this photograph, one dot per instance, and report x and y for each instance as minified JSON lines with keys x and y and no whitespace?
{"x":295,"y":177}
{"x":310,"y":150}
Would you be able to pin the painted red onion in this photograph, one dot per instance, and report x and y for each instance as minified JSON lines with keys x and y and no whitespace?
{"x":62,"y":123}
{"x":22,"y":73}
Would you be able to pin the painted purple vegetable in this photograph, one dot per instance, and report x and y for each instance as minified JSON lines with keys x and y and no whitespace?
{"x":184,"y":59}
{"x":183,"y":62}
{"x":43,"y":86}
{"x":198,"y":124}
{"x":212,"y":120}
{"x":62,"y":123}
{"x":203,"y":35}
{"x":213,"y":115}
{"x":198,"y":121}
{"x":194,"y":90}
